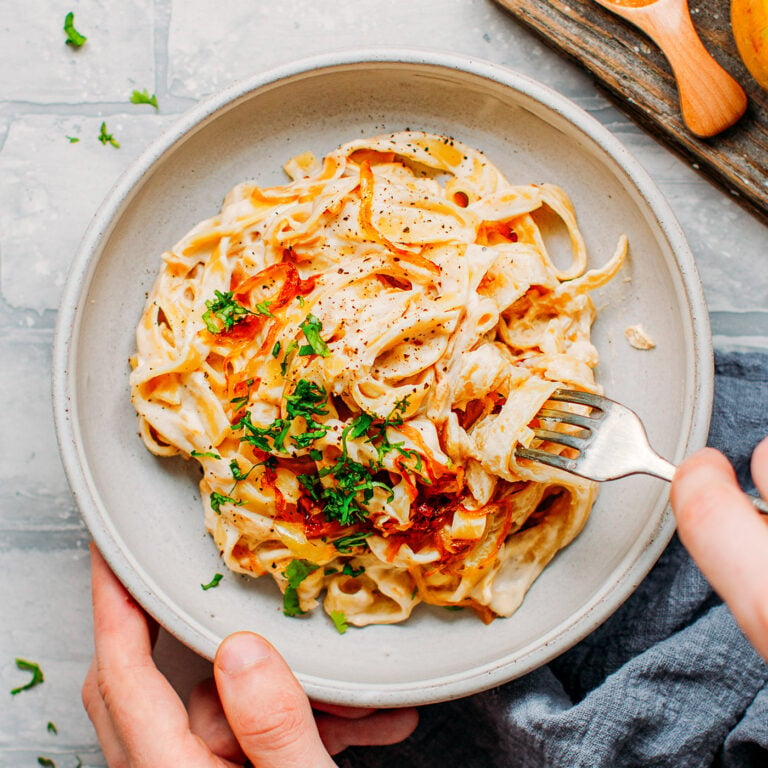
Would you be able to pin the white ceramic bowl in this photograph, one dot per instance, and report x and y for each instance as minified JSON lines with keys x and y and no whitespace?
{"x":145,"y":513}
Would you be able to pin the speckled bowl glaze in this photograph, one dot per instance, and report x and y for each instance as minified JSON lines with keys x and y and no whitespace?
{"x":145,"y":513}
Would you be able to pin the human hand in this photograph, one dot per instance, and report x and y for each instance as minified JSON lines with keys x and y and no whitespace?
{"x":256,"y":711}
{"x":726,"y":536}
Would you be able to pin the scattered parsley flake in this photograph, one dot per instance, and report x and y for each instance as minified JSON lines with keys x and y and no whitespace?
{"x":298,"y":570}
{"x":263,"y":308}
{"x":257,"y":436}
{"x":217,"y":499}
{"x":360,"y":425}
{"x":107,"y":138}
{"x":72,"y":139}
{"x":295,"y":573}
{"x":311,"y":328}
{"x":143,"y":97}
{"x":37,"y":675}
{"x":74,"y":38}
{"x":226,"y":310}
{"x":286,"y":356}
{"x":237,"y":473}
{"x":276,"y":349}
{"x":214,"y":582}
{"x":346,"y":543}
{"x":205,"y":454}
{"x":307,"y":400}
{"x":339,"y":621}
{"x":242,"y":401}
{"x":51,"y":728}
{"x":46,"y":761}
{"x":349,"y":570}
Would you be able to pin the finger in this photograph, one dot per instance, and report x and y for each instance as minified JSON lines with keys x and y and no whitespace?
{"x":208,"y":721}
{"x":760,"y":468}
{"x":148,"y":717}
{"x":102,"y":723}
{"x":269,"y":712}
{"x":380,"y":728}
{"x":351,"y":713}
{"x":727,"y":538}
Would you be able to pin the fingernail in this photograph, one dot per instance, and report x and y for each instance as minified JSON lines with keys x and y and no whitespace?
{"x":241,"y":651}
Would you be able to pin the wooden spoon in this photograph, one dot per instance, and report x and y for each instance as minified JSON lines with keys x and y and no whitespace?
{"x":710,"y":99}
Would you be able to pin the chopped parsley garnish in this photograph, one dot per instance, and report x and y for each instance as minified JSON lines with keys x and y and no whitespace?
{"x":345,"y":499}
{"x":107,"y":138}
{"x":205,"y":454}
{"x":339,"y":621}
{"x":295,"y":573}
{"x":51,"y":728}
{"x":226,"y":310}
{"x":306,"y":401}
{"x":276,"y":349}
{"x":315,"y":345}
{"x":359,"y":425}
{"x":348,"y":570}
{"x":346,"y":543}
{"x":238,"y":473}
{"x":46,"y":761}
{"x":242,"y":401}
{"x":217,"y":499}
{"x":362,"y":423}
{"x":289,"y":349}
{"x":72,"y":139}
{"x":74,"y":38}
{"x":259,"y":436}
{"x":37,"y":675}
{"x":214,"y":582}
{"x":263,"y":308}
{"x":143,"y":97}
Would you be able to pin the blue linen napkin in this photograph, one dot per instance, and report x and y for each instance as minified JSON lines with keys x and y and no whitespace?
{"x":668,"y":681}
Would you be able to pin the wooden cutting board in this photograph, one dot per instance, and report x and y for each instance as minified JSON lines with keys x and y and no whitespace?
{"x":638,"y":77}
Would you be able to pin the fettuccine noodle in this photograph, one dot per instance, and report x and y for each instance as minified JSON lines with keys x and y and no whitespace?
{"x":353,"y":358}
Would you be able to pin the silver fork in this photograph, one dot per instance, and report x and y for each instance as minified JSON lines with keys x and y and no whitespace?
{"x":612,"y":442}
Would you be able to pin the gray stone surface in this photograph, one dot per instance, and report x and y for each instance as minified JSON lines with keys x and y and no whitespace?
{"x":50,"y":188}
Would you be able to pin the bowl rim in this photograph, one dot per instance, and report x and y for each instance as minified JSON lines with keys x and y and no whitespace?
{"x":84,"y":265}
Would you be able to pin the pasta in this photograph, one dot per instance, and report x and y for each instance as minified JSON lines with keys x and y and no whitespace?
{"x":353,"y":356}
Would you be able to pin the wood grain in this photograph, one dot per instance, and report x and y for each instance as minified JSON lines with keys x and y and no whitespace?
{"x":638,"y":77}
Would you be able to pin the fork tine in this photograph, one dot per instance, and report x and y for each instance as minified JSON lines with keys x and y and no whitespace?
{"x":563,"y":438}
{"x":577,"y":419}
{"x":550,"y":459}
{"x":577,"y":396}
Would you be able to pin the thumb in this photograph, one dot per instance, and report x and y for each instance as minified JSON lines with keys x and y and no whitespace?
{"x":266,"y":707}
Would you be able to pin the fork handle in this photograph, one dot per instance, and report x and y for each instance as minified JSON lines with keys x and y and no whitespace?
{"x":664,"y":469}
{"x":658,"y":467}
